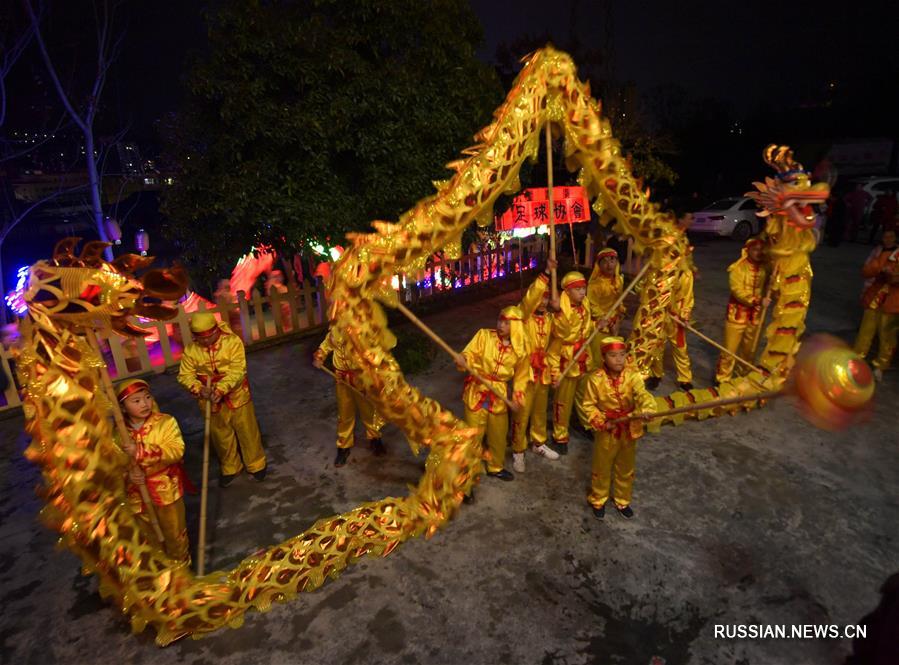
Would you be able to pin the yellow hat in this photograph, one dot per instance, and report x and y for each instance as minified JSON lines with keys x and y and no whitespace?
{"x":573,"y":280}
{"x":203,"y":323}
{"x":130,"y":386}
{"x":517,"y":334}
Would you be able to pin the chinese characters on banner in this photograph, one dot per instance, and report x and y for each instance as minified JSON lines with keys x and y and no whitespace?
{"x":531,"y":208}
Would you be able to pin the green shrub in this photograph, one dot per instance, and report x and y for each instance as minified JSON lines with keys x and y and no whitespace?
{"x":414,"y":351}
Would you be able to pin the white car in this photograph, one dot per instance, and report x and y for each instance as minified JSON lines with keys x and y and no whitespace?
{"x":875,"y":186}
{"x":732,"y":217}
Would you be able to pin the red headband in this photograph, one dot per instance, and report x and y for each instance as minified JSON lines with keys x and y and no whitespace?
{"x":134,"y":388}
{"x":613,"y":346}
{"x":576,"y":283}
{"x":608,"y":251}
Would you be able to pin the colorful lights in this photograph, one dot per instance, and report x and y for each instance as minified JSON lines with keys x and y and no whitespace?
{"x":15,"y":299}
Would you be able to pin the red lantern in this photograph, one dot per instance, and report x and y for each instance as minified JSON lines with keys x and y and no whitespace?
{"x":142,"y":242}
{"x":113,"y":230}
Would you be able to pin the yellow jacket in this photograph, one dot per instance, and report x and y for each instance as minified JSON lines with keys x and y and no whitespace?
{"x":571,"y":328}
{"x":682,"y":301}
{"x":747,"y":285}
{"x":602,"y":292}
{"x":160,"y":450}
{"x":225,"y":361}
{"x":327,"y":347}
{"x":498,"y":362}
{"x":538,"y":327}
{"x":606,"y":398}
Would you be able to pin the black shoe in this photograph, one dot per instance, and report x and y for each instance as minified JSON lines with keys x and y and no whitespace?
{"x":224,"y":480}
{"x":561,"y":448}
{"x":342,"y":455}
{"x":599,"y":513}
{"x":653,"y":382}
{"x":377,"y":447}
{"x":468,"y":498}
{"x":685,"y":385}
{"x":502,"y":474}
{"x":260,"y":475}
{"x":625,"y":512}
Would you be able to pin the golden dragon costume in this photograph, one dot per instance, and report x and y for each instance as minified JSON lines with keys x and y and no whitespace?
{"x":73,"y":443}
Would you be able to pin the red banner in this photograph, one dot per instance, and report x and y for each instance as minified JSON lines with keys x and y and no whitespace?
{"x":531,"y":208}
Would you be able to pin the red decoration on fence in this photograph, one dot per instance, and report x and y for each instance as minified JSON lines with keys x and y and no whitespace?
{"x":531,"y":208}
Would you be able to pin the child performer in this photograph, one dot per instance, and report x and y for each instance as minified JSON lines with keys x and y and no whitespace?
{"x":348,"y":403}
{"x":218,"y":353}
{"x":613,"y":391}
{"x":157,"y":448}
{"x":538,"y":323}
{"x":498,"y":356}
{"x":744,"y":309}
{"x":571,"y":328}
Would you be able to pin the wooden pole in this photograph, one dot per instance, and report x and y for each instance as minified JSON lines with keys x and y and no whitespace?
{"x":758,"y":330}
{"x":717,"y":345}
{"x":204,"y":487}
{"x":611,"y":311}
{"x":573,"y":248}
{"x":552,"y":213}
{"x":771,"y":394}
{"x":340,"y":381}
{"x":124,"y":435}
{"x":456,"y":356}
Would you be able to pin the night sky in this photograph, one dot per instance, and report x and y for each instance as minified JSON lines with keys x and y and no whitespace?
{"x":741,"y":51}
{"x":750,"y":54}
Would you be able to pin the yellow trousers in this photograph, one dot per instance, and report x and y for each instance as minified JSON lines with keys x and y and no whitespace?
{"x":348,"y":403}
{"x":536,"y":399}
{"x":614,"y":460}
{"x":738,"y":338}
{"x":237,"y":428}
{"x":563,"y":402}
{"x":678,"y":341}
{"x":886,"y":327}
{"x":496,"y":427}
{"x":174,"y":529}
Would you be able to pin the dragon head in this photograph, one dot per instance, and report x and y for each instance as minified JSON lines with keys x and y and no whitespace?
{"x":86,"y":290}
{"x":790,"y":192}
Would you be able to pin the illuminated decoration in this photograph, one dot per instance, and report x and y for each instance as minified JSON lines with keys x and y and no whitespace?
{"x":113,"y":231}
{"x":142,"y":242}
{"x":15,"y":299}
{"x":249,"y":267}
{"x":83,"y":470}
{"x":530,"y":208}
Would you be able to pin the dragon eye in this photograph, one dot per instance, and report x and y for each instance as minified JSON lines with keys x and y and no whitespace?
{"x":91,"y":294}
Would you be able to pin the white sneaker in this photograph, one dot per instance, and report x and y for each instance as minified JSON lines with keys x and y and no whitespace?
{"x":878,"y":374}
{"x":546,"y":451}
{"x":518,"y":462}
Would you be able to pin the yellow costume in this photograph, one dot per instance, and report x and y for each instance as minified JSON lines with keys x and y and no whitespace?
{"x":536,"y":396}
{"x":744,"y":310}
{"x":348,"y":400}
{"x":233,"y":423}
{"x":681,"y":306}
{"x":614,"y":452}
{"x":602,"y":292}
{"x":881,"y":303}
{"x":571,"y":328}
{"x":160,"y":450}
{"x":497,"y":360}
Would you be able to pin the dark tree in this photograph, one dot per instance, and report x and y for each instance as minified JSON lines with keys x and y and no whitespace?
{"x":308,"y":120}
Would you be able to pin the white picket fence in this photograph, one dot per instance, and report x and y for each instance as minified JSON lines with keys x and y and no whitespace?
{"x":299,"y":310}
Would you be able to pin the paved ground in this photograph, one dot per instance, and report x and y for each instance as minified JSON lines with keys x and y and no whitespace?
{"x":756,"y":519}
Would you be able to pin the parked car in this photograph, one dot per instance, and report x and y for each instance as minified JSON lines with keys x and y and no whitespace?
{"x":875,"y":186}
{"x":732,"y":217}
